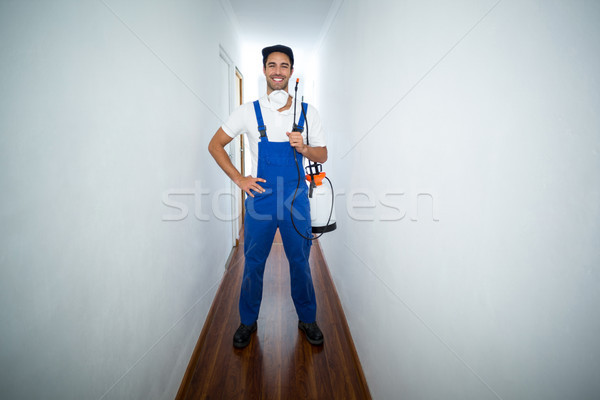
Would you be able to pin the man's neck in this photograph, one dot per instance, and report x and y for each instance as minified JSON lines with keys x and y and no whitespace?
{"x":287,"y":105}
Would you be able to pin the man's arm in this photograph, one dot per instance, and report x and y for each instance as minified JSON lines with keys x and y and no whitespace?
{"x":316,"y":154}
{"x":216,"y":147}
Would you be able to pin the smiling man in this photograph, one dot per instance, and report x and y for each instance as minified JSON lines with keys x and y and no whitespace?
{"x":276,"y":152}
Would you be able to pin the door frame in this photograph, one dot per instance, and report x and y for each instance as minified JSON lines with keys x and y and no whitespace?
{"x":239,"y":86}
{"x":232,"y":150}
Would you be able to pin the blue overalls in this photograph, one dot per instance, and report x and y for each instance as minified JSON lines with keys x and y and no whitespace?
{"x":265,"y":212}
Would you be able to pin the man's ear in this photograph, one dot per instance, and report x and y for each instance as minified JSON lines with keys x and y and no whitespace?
{"x":265,"y":71}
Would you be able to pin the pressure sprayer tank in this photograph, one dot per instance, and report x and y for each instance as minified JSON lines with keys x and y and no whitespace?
{"x":322,"y":213}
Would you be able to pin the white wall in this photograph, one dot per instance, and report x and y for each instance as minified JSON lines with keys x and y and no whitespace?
{"x":106,"y":106}
{"x":499,"y":298}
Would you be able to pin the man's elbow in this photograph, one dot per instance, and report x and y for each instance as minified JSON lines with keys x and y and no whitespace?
{"x":324,"y":155}
{"x":213,"y":147}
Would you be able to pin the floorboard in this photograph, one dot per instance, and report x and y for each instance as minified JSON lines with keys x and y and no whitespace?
{"x":278,"y":363}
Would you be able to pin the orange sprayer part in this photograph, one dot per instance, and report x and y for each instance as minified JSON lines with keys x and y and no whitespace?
{"x":318,"y":178}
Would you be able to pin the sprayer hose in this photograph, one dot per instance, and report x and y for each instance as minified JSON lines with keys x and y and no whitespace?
{"x":294,"y":199}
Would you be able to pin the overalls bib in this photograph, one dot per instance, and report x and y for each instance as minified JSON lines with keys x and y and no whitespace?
{"x":265,"y":212}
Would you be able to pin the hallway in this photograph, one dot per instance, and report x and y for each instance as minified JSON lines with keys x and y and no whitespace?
{"x":464,"y":147}
{"x":279,"y":363}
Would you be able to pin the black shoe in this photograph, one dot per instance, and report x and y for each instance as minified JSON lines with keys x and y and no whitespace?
{"x":312,"y":331}
{"x":243,"y":335}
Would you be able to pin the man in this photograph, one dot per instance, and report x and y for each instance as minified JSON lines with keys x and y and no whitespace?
{"x":268,"y":126}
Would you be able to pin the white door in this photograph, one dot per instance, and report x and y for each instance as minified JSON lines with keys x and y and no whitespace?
{"x":232,"y":198}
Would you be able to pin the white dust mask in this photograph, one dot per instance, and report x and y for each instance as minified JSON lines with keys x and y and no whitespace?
{"x":278,"y":99}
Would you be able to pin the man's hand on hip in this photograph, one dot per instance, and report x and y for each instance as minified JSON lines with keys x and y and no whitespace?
{"x":248,"y":183}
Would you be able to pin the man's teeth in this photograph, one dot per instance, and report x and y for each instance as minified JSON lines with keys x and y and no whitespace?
{"x":277,"y":79}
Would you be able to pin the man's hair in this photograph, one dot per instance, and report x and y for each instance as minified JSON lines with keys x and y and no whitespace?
{"x":279,"y":48}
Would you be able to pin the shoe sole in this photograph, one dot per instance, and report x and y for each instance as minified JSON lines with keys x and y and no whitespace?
{"x":241,"y":345}
{"x":311,"y":341}
{"x":246,"y":343}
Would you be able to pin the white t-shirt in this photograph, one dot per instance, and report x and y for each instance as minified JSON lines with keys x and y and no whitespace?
{"x":243,"y":120}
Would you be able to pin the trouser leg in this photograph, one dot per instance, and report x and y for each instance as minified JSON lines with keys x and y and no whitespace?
{"x":297,"y":250}
{"x":258,"y":238}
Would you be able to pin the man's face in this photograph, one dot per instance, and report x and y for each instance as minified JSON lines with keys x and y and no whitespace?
{"x":277,"y":71}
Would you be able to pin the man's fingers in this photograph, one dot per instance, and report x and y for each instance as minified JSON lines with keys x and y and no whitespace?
{"x":257,"y":179}
{"x":251,"y":184}
{"x":296,"y":140}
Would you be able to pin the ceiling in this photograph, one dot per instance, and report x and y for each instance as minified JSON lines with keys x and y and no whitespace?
{"x":297,"y":24}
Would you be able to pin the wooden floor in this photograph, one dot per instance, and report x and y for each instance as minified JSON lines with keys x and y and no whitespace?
{"x":279,"y":363}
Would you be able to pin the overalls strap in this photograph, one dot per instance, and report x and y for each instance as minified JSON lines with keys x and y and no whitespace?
{"x":301,"y":120}
{"x":259,"y":118}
